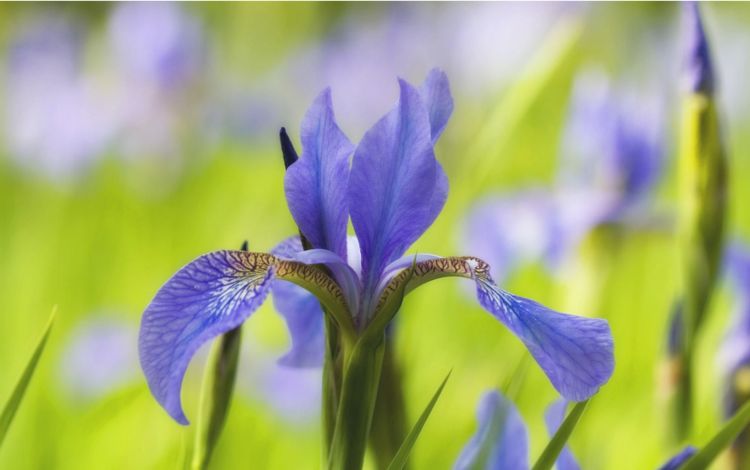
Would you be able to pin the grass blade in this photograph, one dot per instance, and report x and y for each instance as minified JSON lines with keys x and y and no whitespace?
{"x":503,"y":121}
{"x":556,"y":444}
{"x":703,"y":458}
{"x":10,"y":408}
{"x":399,"y":461}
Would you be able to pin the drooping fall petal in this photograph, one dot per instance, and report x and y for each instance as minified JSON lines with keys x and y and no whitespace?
{"x":210,"y":296}
{"x":576,"y":353}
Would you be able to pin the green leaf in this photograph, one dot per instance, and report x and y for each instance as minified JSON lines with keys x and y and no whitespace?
{"x":556,"y":444}
{"x":513,"y":384}
{"x":500,"y":125}
{"x":10,"y":408}
{"x":703,"y":458}
{"x":399,"y":461}
{"x":216,"y":395}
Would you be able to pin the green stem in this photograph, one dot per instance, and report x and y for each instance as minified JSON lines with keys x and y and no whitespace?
{"x":357,"y":405}
{"x":332,"y":377}
{"x":389,"y":427}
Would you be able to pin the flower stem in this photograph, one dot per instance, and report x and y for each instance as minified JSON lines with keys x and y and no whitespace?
{"x":355,"y":410}
{"x":389,"y":426}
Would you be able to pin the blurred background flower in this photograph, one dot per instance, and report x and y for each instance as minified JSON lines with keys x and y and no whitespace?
{"x":100,"y":357}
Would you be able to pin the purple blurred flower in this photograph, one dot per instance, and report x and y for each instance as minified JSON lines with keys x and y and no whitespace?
{"x":734,"y":355}
{"x":613,"y":144}
{"x":55,"y":118}
{"x":509,"y":231}
{"x":611,"y":158}
{"x":676,"y":462}
{"x":156,"y":43}
{"x":158,"y":57}
{"x":293,"y":393}
{"x":393,"y":190}
{"x":100,"y":357}
{"x":502,"y":442}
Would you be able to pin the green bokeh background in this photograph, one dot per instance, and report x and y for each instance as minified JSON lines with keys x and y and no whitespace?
{"x":99,"y":244}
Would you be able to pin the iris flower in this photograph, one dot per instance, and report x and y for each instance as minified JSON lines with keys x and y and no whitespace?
{"x":392,"y":188}
{"x":502,"y":442}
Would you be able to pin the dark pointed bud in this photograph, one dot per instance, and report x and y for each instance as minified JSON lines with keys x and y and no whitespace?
{"x":244,"y":246}
{"x":699,"y":73}
{"x":287,"y":149}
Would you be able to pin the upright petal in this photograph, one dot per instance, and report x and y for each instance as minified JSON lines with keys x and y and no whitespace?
{"x":208,"y":297}
{"x":392,"y":183}
{"x":501,"y":441}
{"x":576,"y":353}
{"x":553,"y":418}
{"x":316,"y":185}
{"x":436,"y":94}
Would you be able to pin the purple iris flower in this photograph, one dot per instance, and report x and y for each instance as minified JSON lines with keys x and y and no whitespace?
{"x":676,"y":462}
{"x":392,"y":188}
{"x":502,"y":441}
{"x":611,"y":159}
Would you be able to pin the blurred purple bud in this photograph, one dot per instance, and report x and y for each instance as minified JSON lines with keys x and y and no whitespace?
{"x":698,"y":73}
